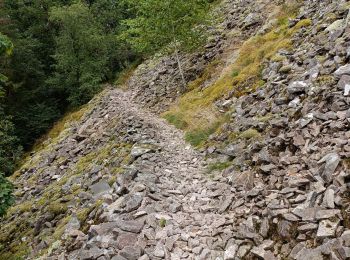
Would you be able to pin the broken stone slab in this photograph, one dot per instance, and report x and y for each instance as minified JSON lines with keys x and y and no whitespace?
{"x":296,"y":249}
{"x":306,"y":120}
{"x":159,"y":250}
{"x":344,"y":84}
{"x":131,"y":252}
{"x":262,"y":250}
{"x":133,"y":202}
{"x":103,"y":228}
{"x":126,"y":239}
{"x":306,"y":214}
{"x":230,"y":252}
{"x":307,"y":227}
{"x":100,"y":188}
{"x":343,"y":70}
{"x":226,"y":204}
{"x":327,"y":228}
{"x":336,"y":25}
{"x":297,"y":87}
{"x":332,"y":160}
{"x":327,"y":213}
{"x":140,"y":149}
{"x":297,"y":182}
{"x":130,"y":225}
{"x":309,"y":254}
{"x":346,"y":238}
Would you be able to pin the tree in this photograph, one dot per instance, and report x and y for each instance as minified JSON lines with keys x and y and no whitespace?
{"x":81,"y":53}
{"x":8,"y":143}
{"x":176,"y":24}
{"x":27,"y":24}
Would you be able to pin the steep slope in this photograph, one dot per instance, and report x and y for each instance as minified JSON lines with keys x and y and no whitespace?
{"x":269,"y":108}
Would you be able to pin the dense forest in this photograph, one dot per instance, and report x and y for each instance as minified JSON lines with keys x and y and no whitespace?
{"x":56,"y":55}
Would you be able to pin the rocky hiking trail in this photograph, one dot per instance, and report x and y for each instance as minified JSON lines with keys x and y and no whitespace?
{"x":168,"y":208}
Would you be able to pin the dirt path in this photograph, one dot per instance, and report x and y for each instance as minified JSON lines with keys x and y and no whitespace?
{"x":171,"y":209}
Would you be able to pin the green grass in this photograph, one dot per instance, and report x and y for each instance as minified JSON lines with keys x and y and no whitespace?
{"x":195,"y":111}
{"x":219,"y":166}
{"x":176,"y":120}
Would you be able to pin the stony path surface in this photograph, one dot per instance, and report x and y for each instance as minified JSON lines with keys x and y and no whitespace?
{"x":168,"y":208}
{"x":184,"y":200}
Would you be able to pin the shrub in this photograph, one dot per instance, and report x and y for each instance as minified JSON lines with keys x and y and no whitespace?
{"x":6,"y":197}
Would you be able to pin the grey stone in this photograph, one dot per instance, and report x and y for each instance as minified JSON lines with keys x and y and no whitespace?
{"x":336,"y":25}
{"x":332,"y":160}
{"x":126,"y":239}
{"x":159,"y":250}
{"x":327,"y":228}
{"x":131,"y":252}
{"x":346,"y":238}
{"x":344,"y":70}
{"x":230,"y":252}
{"x":327,"y":213}
{"x":308,"y":227}
{"x":118,"y":257}
{"x":141,"y":149}
{"x":133,"y":202}
{"x":130,"y":225}
{"x":297,"y":87}
{"x":100,"y":188}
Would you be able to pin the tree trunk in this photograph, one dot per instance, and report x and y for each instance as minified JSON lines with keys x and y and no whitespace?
{"x":183,"y":87}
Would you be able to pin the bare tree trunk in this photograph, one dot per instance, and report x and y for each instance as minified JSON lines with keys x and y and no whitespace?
{"x":183,"y":87}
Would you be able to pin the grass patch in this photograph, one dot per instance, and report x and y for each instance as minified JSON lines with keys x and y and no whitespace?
{"x":249,"y":134}
{"x":303,"y":23}
{"x":195,"y":113}
{"x":198,"y":136}
{"x":219,"y":166}
{"x":176,"y":120}
{"x":162,"y":222}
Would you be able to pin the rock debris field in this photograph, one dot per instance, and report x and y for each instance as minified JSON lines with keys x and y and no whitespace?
{"x":171,"y":209}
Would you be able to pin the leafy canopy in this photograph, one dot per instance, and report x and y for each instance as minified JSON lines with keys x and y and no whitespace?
{"x":81,"y":52}
{"x":7,"y":139}
{"x":177,"y":24}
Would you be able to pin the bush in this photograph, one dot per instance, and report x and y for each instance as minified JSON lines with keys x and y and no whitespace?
{"x":6,"y":197}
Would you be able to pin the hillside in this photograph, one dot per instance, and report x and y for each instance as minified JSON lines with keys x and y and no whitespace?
{"x":251,"y":162}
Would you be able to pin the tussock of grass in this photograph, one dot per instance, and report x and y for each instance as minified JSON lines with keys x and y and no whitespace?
{"x":195,"y":112}
{"x":249,"y":134}
{"x":303,"y":23}
{"x":219,"y":166}
{"x":176,"y":120}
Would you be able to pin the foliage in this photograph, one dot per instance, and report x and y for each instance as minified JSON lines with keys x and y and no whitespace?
{"x":160,"y":23}
{"x":218,"y":166}
{"x":8,"y":142}
{"x":172,"y":24}
{"x":6,"y":48}
{"x":6,"y":197}
{"x":195,"y":109}
{"x":81,"y":53}
{"x":41,"y":86}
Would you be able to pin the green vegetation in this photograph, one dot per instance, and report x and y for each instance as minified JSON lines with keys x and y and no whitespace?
{"x":195,"y":110}
{"x":303,"y":23}
{"x":199,"y":136}
{"x":64,"y":50}
{"x":9,"y":150}
{"x":162,"y":222}
{"x":172,"y":24}
{"x":249,"y":134}
{"x":219,"y":166}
